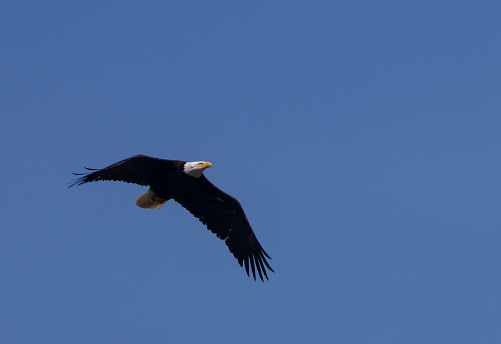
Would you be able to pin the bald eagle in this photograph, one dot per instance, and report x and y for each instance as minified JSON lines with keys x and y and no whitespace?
{"x":185,"y":183}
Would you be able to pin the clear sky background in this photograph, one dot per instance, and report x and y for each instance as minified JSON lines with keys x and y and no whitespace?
{"x":362,"y":138}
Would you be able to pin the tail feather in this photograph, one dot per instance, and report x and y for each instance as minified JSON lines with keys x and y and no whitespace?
{"x":150,"y":200}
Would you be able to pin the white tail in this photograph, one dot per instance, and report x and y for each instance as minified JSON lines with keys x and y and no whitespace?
{"x":150,"y":200}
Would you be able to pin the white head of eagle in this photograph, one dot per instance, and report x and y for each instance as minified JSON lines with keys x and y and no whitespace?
{"x":196,"y":168}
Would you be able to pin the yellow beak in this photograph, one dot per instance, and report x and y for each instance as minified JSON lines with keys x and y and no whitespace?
{"x":207,"y":164}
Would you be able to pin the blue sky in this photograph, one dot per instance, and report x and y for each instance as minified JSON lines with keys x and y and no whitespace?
{"x":363,"y":140}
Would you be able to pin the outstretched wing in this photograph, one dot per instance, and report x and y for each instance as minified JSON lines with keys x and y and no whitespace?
{"x":139,"y":169}
{"x":224,"y":216}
